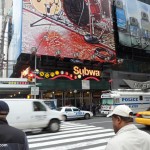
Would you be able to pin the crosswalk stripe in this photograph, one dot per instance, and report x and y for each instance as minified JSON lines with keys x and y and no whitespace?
{"x":64,"y":126}
{"x":72,"y":125}
{"x":71,"y":135}
{"x":84,"y":137}
{"x":74,"y":128}
{"x":63,"y":132}
{"x":33,"y":145}
{"x":79,"y":145}
{"x":96,"y":148}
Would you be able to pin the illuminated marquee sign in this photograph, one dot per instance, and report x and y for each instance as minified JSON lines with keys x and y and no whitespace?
{"x":77,"y":73}
{"x":14,"y":83}
{"x":86,"y":72}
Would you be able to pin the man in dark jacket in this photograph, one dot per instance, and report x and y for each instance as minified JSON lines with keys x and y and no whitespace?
{"x":10,"y":137}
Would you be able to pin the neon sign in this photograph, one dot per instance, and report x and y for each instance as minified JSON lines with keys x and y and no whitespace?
{"x":86,"y":72}
{"x":76,"y":73}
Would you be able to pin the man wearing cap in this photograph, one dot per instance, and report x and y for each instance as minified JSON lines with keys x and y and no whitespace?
{"x":10,"y":137}
{"x":128,"y":136}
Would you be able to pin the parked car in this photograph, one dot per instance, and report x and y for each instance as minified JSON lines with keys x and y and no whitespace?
{"x":70,"y":112}
{"x":143,"y":118}
{"x":32,"y":115}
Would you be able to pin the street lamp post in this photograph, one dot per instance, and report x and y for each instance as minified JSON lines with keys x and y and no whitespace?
{"x":75,"y":92}
{"x":34,"y":50}
{"x":35,"y":72}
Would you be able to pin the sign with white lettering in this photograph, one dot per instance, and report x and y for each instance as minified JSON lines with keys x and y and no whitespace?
{"x":138,"y":85}
{"x":34,"y":90}
{"x":86,"y":84}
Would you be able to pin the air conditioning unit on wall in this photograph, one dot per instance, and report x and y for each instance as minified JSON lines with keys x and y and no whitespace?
{"x":144,"y":16}
{"x":119,"y":4}
{"x":134,"y":21}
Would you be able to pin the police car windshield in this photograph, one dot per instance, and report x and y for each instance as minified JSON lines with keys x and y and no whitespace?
{"x":107,"y":101}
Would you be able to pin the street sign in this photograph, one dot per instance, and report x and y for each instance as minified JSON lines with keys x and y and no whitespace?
{"x":34,"y":90}
{"x":85,"y":84}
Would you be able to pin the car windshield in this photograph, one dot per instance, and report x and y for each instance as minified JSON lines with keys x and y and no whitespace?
{"x":50,"y":104}
{"x":107,"y":101}
{"x":59,"y":109}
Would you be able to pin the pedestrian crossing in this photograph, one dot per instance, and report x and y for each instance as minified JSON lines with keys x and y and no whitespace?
{"x":72,"y":136}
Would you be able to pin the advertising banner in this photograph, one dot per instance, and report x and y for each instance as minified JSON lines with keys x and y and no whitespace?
{"x":133,"y":22}
{"x":80,"y":29}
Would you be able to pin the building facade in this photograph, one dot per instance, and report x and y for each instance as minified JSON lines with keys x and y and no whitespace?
{"x":76,"y":55}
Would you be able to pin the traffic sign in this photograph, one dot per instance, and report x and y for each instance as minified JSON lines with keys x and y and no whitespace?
{"x":34,"y":90}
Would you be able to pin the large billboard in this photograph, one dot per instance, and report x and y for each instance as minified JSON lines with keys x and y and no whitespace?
{"x":133,"y":22}
{"x":80,"y":29}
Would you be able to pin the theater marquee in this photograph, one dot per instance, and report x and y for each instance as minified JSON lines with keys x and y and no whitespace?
{"x":77,"y":73}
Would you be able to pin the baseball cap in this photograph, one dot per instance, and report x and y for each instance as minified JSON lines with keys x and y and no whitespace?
{"x":4,"y":108}
{"x":121,"y":110}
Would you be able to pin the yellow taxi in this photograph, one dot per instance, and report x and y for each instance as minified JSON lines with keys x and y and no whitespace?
{"x":143,"y":117}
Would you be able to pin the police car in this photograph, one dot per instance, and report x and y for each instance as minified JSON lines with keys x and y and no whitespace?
{"x":70,"y":112}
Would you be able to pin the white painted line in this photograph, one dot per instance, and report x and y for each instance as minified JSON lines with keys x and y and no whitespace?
{"x":99,"y":122}
{"x":73,"y":125}
{"x":63,"y":132}
{"x":96,"y":148}
{"x":79,"y":145}
{"x":74,"y":128}
{"x":49,"y":143}
{"x":70,"y":135}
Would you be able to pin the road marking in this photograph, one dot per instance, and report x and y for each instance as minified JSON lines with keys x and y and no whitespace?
{"x":79,"y":145}
{"x":96,"y":148}
{"x":75,"y":139}
{"x":99,"y":122}
{"x":78,"y":136}
{"x":73,"y":128}
{"x":64,"y":132}
{"x":70,"y":135}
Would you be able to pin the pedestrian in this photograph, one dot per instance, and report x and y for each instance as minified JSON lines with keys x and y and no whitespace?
{"x":83,"y":107}
{"x":10,"y":137}
{"x":128,"y":136}
{"x":93,"y":109}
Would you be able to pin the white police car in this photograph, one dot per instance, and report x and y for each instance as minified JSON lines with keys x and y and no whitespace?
{"x":70,"y":112}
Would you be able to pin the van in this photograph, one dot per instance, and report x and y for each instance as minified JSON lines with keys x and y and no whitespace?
{"x":136,"y":99}
{"x":32,"y":115}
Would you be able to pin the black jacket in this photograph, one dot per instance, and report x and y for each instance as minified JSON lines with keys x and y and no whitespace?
{"x":12,"y":138}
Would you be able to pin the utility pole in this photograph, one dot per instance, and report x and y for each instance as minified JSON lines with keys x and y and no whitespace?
{"x":35,"y":59}
{"x":34,"y":51}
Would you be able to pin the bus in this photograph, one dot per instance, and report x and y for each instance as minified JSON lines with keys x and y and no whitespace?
{"x":137,"y":100}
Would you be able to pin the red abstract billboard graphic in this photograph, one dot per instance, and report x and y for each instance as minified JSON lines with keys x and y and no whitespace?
{"x":80,"y":29}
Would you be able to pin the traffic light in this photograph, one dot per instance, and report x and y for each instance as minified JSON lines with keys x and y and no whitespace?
{"x":30,"y":77}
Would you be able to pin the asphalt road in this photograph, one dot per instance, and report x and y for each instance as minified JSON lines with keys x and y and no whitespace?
{"x":92,"y":134}
{"x":100,"y":121}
